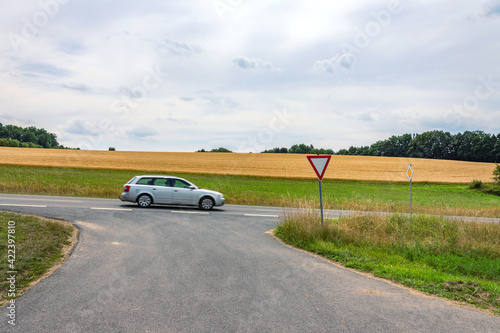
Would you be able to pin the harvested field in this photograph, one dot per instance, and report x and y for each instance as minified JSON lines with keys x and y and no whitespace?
{"x":262,"y":165}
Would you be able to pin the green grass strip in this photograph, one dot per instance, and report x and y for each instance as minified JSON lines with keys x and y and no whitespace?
{"x":29,"y":247}
{"x":441,"y":199}
{"x":456,"y":260}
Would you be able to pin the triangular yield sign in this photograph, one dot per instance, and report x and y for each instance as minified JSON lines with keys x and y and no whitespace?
{"x":319,"y":164}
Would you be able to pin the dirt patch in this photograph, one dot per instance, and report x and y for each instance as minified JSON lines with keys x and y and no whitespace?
{"x":473,"y":293}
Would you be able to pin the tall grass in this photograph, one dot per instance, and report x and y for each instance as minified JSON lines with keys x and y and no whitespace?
{"x":454,"y":259}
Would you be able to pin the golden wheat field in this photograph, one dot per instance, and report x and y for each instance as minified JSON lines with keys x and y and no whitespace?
{"x":247,"y":164}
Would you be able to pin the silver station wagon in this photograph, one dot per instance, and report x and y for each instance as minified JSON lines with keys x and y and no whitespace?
{"x":168,"y":190}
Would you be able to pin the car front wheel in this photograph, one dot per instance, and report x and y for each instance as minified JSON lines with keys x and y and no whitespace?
{"x":144,"y":201}
{"x":206,"y":203}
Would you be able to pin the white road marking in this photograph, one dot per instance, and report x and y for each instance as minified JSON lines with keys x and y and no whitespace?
{"x":14,"y":205}
{"x":184,"y":212}
{"x":260,"y":215}
{"x":119,"y":209}
{"x":51,"y":200}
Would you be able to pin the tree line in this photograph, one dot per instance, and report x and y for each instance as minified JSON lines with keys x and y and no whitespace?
{"x":215,"y":150}
{"x":28,"y":137}
{"x":474,"y":146}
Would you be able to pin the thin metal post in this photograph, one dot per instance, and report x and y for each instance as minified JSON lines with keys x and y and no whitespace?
{"x":411,"y":203}
{"x":321,"y":202}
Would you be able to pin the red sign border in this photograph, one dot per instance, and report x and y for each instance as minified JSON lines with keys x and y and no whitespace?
{"x":328,"y":157}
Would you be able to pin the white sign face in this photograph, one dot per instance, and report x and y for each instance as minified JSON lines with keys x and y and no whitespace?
{"x":319,"y":164}
{"x":409,"y":172}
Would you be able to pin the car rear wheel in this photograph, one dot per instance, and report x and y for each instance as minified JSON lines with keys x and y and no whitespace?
{"x":207,"y":203}
{"x":144,"y":201}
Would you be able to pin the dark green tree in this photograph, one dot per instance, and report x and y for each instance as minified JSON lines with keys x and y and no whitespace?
{"x":432,"y":144}
{"x":35,"y":136}
{"x":475,"y":146}
{"x":221,"y":150}
{"x":496,"y":174}
{"x":496,"y":149}
{"x":302,"y":149}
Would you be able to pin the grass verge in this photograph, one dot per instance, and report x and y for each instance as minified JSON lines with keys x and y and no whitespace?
{"x":488,"y":188}
{"x":440,"y":199}
{"x":456,"y":260}
{"x":30,"y":247}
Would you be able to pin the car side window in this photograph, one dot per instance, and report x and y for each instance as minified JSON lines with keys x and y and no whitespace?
{"x":161,"y":182}
{"x":145,"y":181}
{"x":180,"y":183}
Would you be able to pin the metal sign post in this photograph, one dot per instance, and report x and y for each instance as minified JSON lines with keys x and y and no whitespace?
{"x":319,"y":164}
{"x":409,"y":175}
{"x":321,"y":202}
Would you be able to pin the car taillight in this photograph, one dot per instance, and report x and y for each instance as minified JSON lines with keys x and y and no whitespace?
{"x":126,"y":188}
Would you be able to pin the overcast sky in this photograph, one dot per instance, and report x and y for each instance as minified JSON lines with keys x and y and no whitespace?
{"x":164,"y":75}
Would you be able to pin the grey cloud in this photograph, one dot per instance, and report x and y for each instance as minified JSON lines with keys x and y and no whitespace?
{"x":332,"y":65}
{"x":221,"y":102}
{"x":76,"y":86}
{"x":9,"y":119}
{"x":71,"y":47}
{"x":178,"y":48}
{"x":491,"y":8}
{"x":136,"y":94}
{"x":369,"y":114}
{"x":141,"y":132}
{"x":78,"y":126}
{"x":204,"y":92}
{"x":39,"y":69}
{"x":255,"y":64}
{"x":171,"y":118}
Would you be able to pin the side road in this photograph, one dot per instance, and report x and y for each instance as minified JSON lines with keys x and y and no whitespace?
{"x":165,"y":269}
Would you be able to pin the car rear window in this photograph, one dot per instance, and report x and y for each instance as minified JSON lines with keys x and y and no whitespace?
{"x":145,"y":181}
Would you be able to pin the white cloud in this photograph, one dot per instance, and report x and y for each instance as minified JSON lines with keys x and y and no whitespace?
{"x":116,"y":73}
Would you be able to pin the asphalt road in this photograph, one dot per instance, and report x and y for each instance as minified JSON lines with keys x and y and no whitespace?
{"x":165,"y":269}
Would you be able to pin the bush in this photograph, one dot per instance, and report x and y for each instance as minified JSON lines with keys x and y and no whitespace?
{"x":111,"y":149}
{"x":34,"y":145}
{"x":13,"y":143}
{"x":476,"y":185}
{"x":492,"y":189}
{"x":496,"y":174}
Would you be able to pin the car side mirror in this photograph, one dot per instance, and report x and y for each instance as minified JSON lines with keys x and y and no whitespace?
{"x":191,"y":187}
